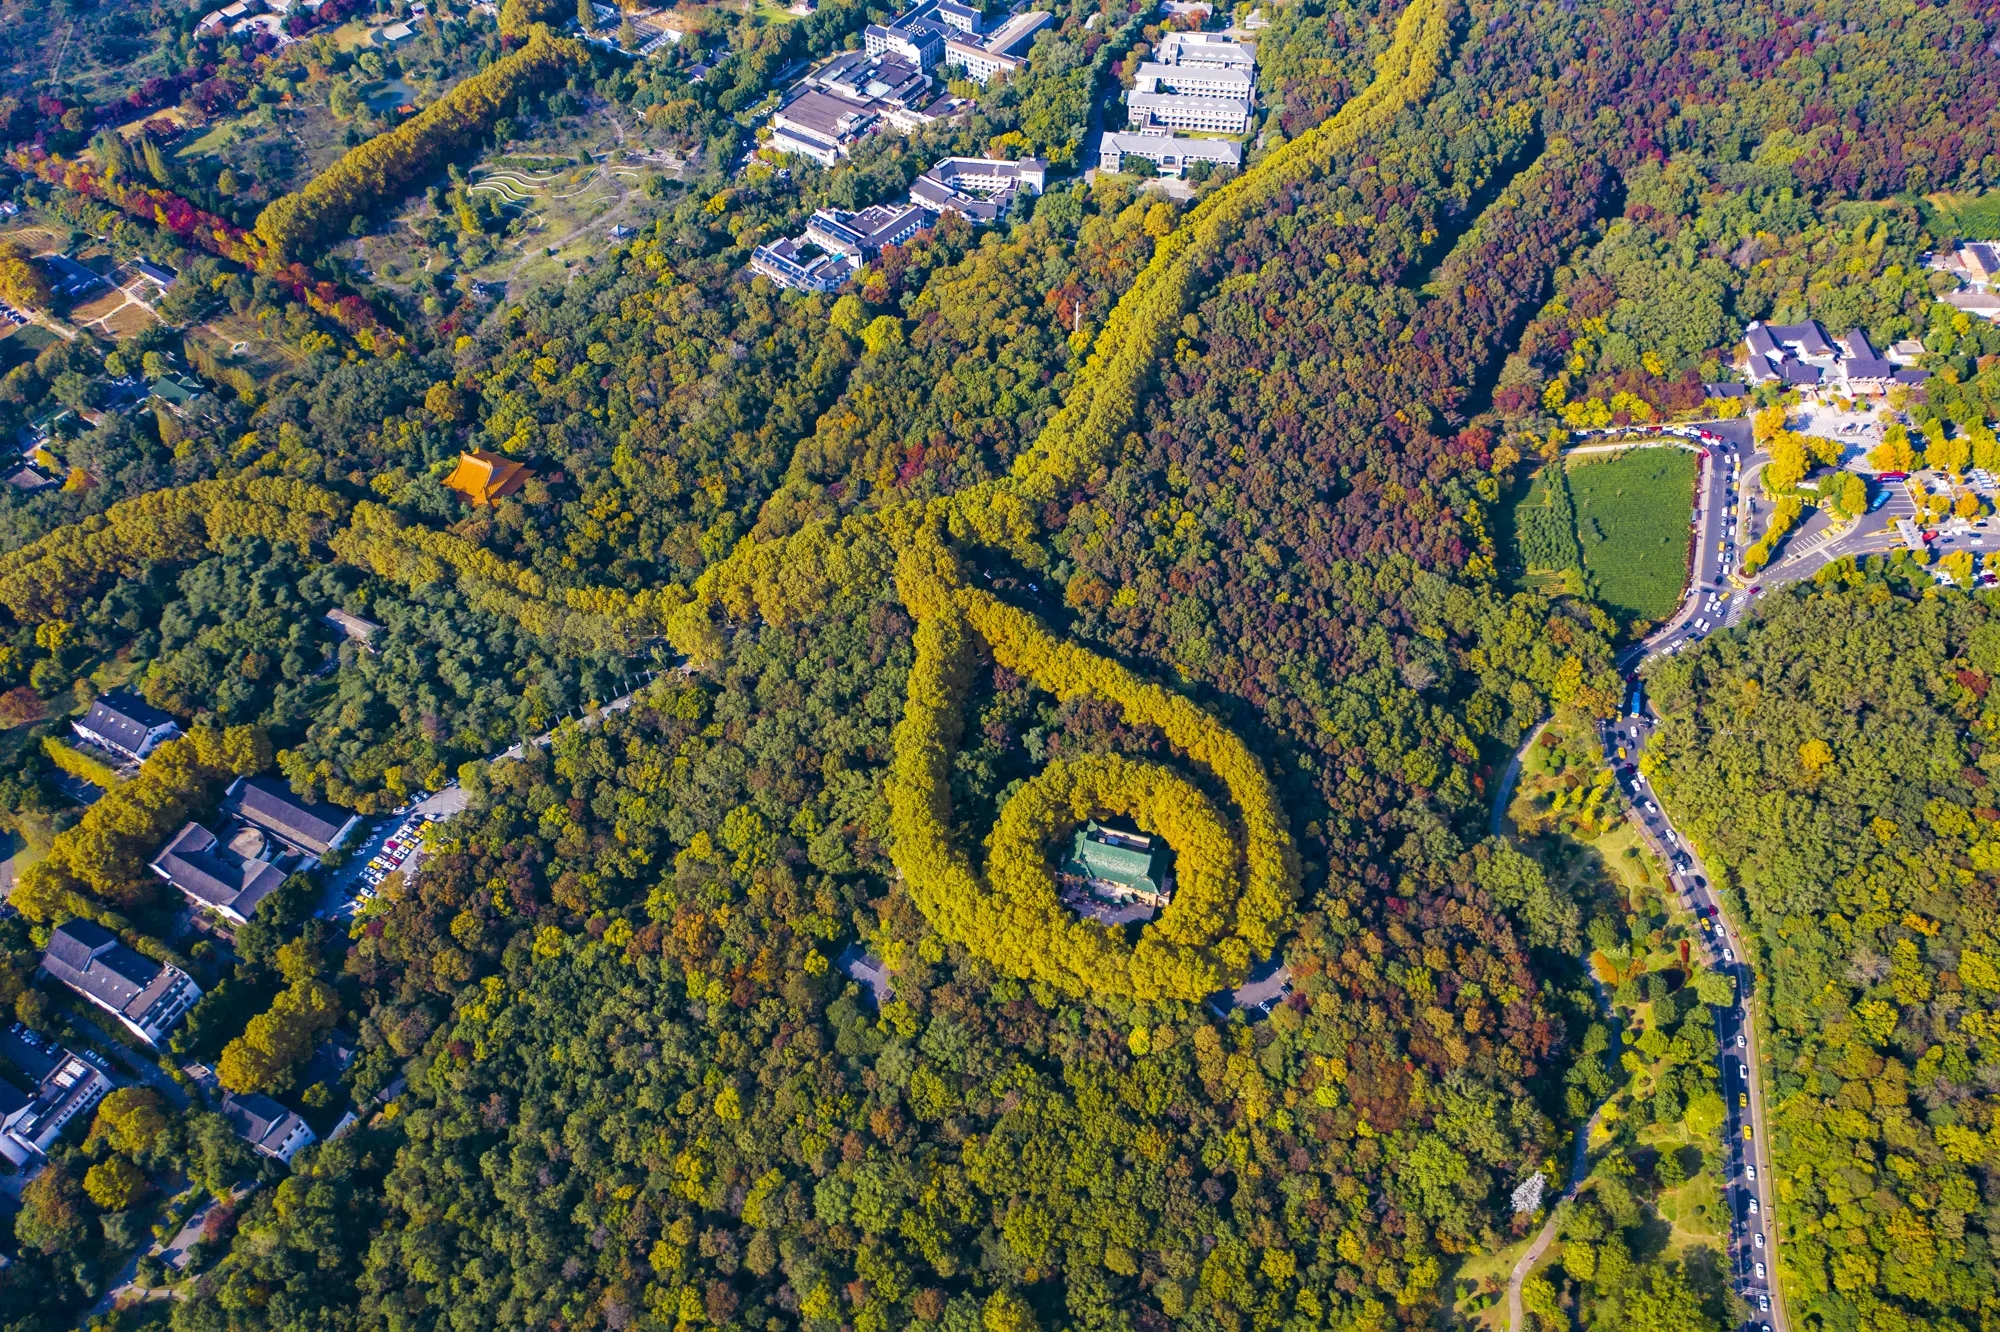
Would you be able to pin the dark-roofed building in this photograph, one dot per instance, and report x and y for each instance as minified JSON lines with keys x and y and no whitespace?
{"x":266,"y":1125}
{"x":1861,"y":369}
{"x":882,"y":83}
{"x":148,"y":997}
{"x":820,"y":125}
{"x":1797,"y":356}
{"x":28,"y":478}
{"x":43,"y":1088}
{"x":228,"y":877}
{"x":125,"y":724}
{"x":310,"y":827}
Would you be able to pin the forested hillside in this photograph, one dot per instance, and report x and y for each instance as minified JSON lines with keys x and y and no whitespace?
{"x":1179,"y":505}
{"x":1837,"y":763}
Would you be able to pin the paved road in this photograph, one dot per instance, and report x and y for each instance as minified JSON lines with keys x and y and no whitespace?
{"x":341,"y":895}
{"x":1724,"y":521}
{"x":1747,"y":1187}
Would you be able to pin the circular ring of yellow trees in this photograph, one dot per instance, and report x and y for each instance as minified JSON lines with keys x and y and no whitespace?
{"x":1238,"y":872}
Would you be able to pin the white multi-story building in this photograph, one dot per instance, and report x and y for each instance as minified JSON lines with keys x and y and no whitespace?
{"x":1171,"y":154}
{"x":55,"y":1088}
{"x":837,"y":243}
{"x":1230,"y":82}
{"x":1002,"y":53}
{"x":1210,"y":50}
{"x":978,"y":188}
{"x":1207,"y":115}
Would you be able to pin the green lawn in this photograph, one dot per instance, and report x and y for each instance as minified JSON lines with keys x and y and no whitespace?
{"x":1632,"y":512}
{"x":1967,"y":216}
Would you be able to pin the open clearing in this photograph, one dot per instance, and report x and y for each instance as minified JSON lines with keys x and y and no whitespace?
{"x":1632,"y":515}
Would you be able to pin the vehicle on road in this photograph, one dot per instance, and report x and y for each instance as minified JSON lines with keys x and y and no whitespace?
{"x":1760,"y":1271}
{"x":1753,"y":1199}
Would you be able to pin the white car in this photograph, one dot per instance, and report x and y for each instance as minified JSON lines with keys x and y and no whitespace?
{"x":1741,"y":1040}
{"x":1728,"y":956}
{"x":1760,"y":1271}
{"x":1759,"y":1238}
{"x":1750,"y":1171}
{"x":1753,"y":1207}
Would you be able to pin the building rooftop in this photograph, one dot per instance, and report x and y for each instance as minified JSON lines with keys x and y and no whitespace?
{"x":1223,"y":152}
{"x":484,"y":477}
{"x":1013,"y":37}
{"x":310,"y":826}
{"x":829,"y":117}
{"x":360,"y":630}
{"x":233,"y":876}
{"x":1126,"y":861}
{"x":91,"y":960}
{"x":124,"y":718}
{"x":862,"y":235}
{"x":1236,"y":76}
{"x":1204,"y":48}
{"x":263,"y":1123}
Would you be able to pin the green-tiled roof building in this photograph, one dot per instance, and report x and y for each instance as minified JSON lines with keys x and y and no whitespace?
{"x":1124,"y":864}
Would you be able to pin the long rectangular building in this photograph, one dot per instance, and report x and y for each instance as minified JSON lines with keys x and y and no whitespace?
{"x":1172,"y":154}
{"x":148,"y":997}
{"x":1002,"y":53}
{"x":1209,"y":50}
{"x":1234,"y":83}
{"x":1213,"y":115}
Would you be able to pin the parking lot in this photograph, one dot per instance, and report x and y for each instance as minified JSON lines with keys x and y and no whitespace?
{"x":392,"y":844}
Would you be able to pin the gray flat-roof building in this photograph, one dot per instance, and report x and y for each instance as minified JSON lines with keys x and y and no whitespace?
{"x":1005,"y":51}
{"x":820,"y":125}
{"x":797,"y":263}
{"x":1210,"y":50}
{"x":43,"y":1088}
{"x":863,"y":235}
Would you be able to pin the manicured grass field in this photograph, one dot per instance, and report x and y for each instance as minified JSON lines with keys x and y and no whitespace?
{"x":1632,"y":513}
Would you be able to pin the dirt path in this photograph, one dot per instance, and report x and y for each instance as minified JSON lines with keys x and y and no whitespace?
{"x":1504,"y":794}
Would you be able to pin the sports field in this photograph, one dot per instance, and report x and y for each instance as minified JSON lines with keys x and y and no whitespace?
{"x":1632,"y":514}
